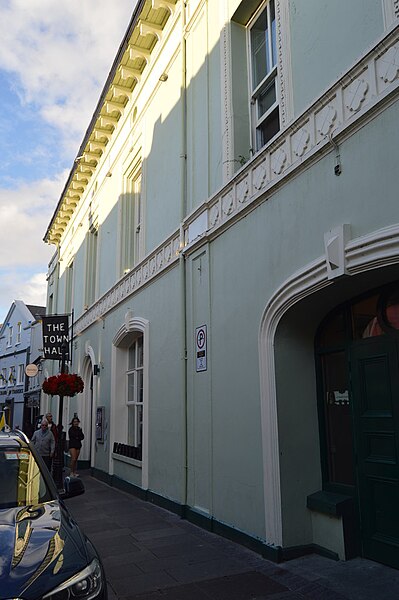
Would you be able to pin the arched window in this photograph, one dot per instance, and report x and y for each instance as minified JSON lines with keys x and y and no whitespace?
{"x":135,"y":391}
{"x":130,"y":396}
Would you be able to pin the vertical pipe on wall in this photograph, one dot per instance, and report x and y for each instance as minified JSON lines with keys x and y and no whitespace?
{"x":182,"y":265}
{"x":70,"y":357}
{"x":57,"y":281}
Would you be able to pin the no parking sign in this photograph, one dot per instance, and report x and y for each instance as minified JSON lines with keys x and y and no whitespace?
{"x":200,"y":348}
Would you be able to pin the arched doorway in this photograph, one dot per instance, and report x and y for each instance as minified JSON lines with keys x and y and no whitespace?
{"x":302,"y":299}
{"x":357,"y":355}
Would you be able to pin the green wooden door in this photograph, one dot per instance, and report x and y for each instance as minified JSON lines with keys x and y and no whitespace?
{"x":375,"y":391}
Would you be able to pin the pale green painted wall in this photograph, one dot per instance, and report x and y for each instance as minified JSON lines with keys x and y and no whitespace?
{"x":235,"y":314}
{"x":162,"y":157}
{"x":239,"y":91}
{"x":59,"y":294}
{"x":107,"y":252}
{"x":199,"y":400}
{"x":326,"y":38}
{"x":197,"y":115}
{"x":249,"y":262}
{"x":217,"y":128}
{"x":79,"y":266}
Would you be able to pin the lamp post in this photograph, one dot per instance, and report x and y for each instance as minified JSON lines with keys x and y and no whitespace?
{"x":58,"y":461}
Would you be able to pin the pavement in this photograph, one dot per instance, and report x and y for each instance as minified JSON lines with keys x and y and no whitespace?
{"x":152,"y":554}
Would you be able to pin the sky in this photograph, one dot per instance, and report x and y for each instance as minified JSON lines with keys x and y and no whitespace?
{"x":55,"y":56}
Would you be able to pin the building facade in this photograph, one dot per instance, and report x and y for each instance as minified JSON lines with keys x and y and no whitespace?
{"x":228,"y":240}
{"x":15,"y":351}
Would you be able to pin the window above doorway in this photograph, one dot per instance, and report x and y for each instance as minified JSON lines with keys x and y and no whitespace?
{"x":264,"y":93}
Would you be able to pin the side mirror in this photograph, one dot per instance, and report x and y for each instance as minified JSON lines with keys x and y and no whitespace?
{"x":73,"y":486}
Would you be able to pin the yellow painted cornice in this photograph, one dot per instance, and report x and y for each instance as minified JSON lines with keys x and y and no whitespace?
{"x":134,"y":54}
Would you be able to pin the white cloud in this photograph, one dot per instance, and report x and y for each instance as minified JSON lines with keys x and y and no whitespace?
{"x":61,"y":53}
{"x":35,"y":289}
{"x":25,"y":213}
{"x":19,"y":285}
{"x":58,"y":56}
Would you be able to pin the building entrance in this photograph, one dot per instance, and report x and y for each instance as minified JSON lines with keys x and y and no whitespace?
{"x":375,"y":393}
{"x":358,"y":365}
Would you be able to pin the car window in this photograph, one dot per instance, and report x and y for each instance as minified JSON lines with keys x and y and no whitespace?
{"x":21,"y":481}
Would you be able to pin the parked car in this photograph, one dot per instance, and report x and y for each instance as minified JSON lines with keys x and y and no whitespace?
{"x":44,"y":554}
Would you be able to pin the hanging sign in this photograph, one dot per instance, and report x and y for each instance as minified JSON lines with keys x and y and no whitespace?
{"x":200,"y":348}
{"x":55,"y":333}
{"x":31,"y":370}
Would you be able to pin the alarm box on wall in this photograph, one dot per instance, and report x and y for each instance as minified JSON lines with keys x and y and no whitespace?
{"x":100,"y":415}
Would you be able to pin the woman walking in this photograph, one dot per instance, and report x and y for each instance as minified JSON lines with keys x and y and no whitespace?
{"x":75,"y":443}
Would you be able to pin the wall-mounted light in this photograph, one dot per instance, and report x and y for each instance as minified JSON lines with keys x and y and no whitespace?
{"x":164,"y":77}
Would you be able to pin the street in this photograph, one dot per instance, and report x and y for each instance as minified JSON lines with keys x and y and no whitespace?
{"x":152,"y":554}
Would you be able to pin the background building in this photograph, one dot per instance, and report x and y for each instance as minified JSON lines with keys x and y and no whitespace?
{"x":228,"y":239}
{"x":33,"y":383}
{"x":15,"y":351}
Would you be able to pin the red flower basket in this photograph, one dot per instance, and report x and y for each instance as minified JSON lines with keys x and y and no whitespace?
{"x":65,"y":384}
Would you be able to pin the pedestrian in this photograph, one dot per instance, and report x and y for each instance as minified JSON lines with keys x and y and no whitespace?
{"x":75,"y":443}
{"x":52,"y":426}
{"x":28,"y":429}
{"x":44,"y":442}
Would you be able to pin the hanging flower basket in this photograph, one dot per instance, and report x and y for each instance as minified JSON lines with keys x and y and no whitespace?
{"x":65,"y":384}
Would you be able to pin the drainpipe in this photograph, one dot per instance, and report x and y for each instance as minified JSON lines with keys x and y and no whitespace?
{"x":56,"y":280}
{"x":182,"y":265}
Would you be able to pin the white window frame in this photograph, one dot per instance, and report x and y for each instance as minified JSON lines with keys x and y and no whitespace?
{"x":10,"y":335}
{"x":91,"y":265}
{"x":3,"y":380}
{"x":21,"y":374}
{"x":270,"y":79}
{"x":19,"y":333}
{"x":50,"y":304}
{"x":69,"y":287}
{"x":132,"y":218}
{"x":137,"y":197}
{"x":135,"y":405}
{"x":11,"y":376}
{"x":118,"y":411}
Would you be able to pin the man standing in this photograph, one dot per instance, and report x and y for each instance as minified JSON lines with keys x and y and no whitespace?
{"x":44,"y":443}
{"x":52,"y":426}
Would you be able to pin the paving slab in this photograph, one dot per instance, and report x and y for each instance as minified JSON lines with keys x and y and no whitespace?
{"x":150,"y":553}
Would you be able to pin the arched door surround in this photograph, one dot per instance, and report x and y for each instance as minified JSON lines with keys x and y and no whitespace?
{"x":357,"y":354}
{"x":89,"y":405}
{"x":361,"y":255}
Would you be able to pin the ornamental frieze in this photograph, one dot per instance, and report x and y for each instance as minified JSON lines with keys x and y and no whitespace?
{"x":360,"y":92}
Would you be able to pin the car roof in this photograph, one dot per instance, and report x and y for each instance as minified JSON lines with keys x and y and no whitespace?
{"x":12,"y":438}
